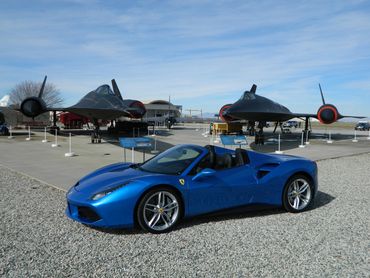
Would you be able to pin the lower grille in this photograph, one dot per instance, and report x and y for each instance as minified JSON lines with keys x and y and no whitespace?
{"x":86,"y":213}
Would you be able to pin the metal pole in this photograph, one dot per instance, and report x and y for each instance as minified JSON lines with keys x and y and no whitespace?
{"x":11,"y":133}
{"x":329,"y":141}
{"x":29,"y":134}
{"x":133,"y":155}
{"x":70,"y":153}
{"x":355,"y":138}
{"x":279,"y":151}
{"x":307,"y":142}
{"x":302,"y":144}
{"x":70,"y":143}
{"x":44,"y":141}
{"x":155,"y":145}
{"x":56,"y":139}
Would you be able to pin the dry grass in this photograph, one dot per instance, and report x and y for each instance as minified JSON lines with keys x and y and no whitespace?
{"x":340,"y":125}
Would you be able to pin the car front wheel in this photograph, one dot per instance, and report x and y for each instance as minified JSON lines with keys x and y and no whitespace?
{"x":159,"y":210}
{"x":298,"y":194}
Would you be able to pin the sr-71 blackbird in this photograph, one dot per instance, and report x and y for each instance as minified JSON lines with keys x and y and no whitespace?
{"x":100,"y":104}
{"x":254,"y":108}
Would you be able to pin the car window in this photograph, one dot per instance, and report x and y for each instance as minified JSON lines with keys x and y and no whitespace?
{"x":204,"y":163}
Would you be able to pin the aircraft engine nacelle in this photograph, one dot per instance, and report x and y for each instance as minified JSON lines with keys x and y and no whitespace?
{"x":33,"y":106}
{"x":137,"y":109}
{"x":328,"y":114}
{"x":223,"y":117}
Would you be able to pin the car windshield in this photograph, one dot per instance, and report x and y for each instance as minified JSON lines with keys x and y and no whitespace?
{"x":173,"y":161}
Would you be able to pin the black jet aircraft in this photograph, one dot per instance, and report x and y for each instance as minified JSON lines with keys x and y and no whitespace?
{"x":100,"y":104}
{"x":254,"y":108}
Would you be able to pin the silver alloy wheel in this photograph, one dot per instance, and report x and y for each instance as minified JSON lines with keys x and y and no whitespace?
{"x":161,"y":210}
{"x":299,"y":194}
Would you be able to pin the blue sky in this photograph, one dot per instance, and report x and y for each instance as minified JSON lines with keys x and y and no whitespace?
{"x":202,"y":53}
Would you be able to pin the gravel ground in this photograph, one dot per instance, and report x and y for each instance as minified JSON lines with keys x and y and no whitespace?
{"x":330,"y":240}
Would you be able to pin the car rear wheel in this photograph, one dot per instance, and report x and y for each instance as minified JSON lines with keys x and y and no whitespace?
{"x":298,"y":194}
{"x":159,"y":210}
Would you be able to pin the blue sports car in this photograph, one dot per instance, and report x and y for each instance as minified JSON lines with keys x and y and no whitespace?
{"x":188,"y":180}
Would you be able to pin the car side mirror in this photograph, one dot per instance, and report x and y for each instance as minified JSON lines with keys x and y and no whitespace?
{"x":207,"y":172}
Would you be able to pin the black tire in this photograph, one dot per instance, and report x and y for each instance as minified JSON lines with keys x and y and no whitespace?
{"x":168,"y":219}
{"x":290,"y":194}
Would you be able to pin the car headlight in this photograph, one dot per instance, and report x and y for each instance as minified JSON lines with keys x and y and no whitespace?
{"x":102,"y":194}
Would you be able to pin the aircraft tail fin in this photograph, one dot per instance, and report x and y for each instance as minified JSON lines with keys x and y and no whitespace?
{"x":322,"y":95}
{"x":42,"y":87}
{"x":115,"y":89}
{"x":253,"y":89}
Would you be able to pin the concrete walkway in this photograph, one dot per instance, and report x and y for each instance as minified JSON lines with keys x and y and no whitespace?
{"x":47,"y":164}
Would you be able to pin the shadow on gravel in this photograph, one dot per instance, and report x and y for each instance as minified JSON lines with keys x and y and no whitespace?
{"x":117,"y":231}
{"x":322,"y":199}
{"x":243,"y":212}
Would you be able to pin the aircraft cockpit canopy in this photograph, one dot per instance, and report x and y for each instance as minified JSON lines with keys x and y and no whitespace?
{"x":248,"y":96}
{"x":104,"y":90}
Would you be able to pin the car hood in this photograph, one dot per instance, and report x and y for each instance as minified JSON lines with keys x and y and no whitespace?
{"x":110,"y":177}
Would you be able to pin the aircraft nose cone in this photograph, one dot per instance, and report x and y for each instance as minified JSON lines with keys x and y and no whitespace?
{"x":231,"y":111}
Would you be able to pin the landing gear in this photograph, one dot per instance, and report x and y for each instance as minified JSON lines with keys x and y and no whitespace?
{"x":280,"y":124}
{"x":251,"y":128}
{"x":54,"y":126}
{"x":259,"y":139}
{"x":307,"y":131}
{"x":95,"y":137}
{"x":96,"y":134}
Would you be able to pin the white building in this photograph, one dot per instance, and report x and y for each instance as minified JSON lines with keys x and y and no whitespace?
{"x":161,"y":108}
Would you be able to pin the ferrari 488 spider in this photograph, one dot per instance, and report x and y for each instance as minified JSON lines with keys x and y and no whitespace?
{"x":189,"y":180}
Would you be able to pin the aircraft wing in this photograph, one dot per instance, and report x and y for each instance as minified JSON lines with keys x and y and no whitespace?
{"x":304,"y":115}
{"x":356,"y":117}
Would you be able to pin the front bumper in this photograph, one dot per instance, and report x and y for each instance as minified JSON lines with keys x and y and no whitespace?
{"x":106,"y":213}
